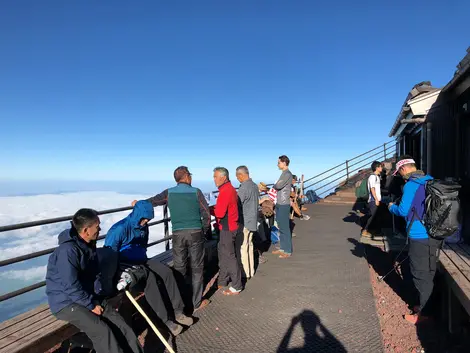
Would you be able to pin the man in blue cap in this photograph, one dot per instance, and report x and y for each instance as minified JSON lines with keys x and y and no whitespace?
{"x":129,"y":237}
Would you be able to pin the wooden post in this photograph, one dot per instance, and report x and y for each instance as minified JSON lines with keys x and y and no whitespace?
{"x":167,"y":231}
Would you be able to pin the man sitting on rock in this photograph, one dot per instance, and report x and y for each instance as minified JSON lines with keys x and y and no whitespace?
{"x":129,"y":237}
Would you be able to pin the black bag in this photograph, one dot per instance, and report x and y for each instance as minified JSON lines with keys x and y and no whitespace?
{"x":442,"y":208}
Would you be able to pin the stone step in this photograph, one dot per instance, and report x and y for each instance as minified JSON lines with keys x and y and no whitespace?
{"x":339,"y":202}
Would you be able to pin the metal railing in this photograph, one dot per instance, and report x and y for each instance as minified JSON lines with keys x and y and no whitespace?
{"x":341,"y":174}
{"x":167,"y":237}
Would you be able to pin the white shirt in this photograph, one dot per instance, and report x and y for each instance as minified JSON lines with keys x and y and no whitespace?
{"x":374,"y":182}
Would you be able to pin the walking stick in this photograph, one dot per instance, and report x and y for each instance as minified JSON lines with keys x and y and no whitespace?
{"x":154,"y":328}
{"x":210,"y":284}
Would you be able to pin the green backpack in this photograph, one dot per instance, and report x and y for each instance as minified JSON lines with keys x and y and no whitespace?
{"x":362,"y":192}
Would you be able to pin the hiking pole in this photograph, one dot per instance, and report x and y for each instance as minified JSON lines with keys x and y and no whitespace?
{"x":210,"y":284}
{"x":381,"y":278}
{"x":154,"y":328}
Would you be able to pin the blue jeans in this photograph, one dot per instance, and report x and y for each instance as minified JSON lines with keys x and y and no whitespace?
{"x":283,"y":221}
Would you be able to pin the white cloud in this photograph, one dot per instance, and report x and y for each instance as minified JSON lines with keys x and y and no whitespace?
{"x":30,"y":208}
{"x":34,"y":273}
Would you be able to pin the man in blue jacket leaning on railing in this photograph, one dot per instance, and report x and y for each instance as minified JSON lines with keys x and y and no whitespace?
{"x":129,"y":237}
{"x":423,"y":250}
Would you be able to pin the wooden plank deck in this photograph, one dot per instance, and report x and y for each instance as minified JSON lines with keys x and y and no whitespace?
{"x":454,"y":262}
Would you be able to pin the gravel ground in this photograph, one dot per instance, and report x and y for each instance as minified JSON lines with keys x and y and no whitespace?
{"x":391,"y":297}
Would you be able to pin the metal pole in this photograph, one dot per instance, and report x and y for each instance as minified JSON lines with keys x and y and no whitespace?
{"x":347,"y":170}
{"x":167,"y":231}
{"x":385,"y":151}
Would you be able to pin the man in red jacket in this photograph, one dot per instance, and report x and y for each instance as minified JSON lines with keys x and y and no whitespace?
{"x":226,"y":212}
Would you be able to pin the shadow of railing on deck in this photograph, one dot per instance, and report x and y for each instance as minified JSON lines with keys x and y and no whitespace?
{"x":317,"y":338}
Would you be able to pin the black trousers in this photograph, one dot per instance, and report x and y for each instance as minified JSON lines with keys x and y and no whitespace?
{"x":153,"y":293}
{"x":372,"y":212}
{"x":229,"y":265}
{"x":108,"y":332}
{"x":189,"y":244}
{"x":423,"y":255}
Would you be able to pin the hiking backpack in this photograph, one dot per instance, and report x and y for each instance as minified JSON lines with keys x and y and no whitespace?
{"x":362,"y":192}
{"x":441,"y":216}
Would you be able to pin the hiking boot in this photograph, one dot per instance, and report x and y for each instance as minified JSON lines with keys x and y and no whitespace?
{"x":184,"y":320}
{"x":174,"y":328}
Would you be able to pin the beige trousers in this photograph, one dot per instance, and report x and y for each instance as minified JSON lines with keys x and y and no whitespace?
{"x":247,"y":254}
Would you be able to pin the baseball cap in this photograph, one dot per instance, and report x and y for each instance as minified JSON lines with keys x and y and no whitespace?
{"x":402,"y":163}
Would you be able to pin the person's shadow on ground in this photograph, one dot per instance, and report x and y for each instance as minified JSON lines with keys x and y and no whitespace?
{"x":317,"y":338}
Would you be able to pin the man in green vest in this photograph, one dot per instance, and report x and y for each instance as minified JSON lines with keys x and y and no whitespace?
{"x":190,"y":221}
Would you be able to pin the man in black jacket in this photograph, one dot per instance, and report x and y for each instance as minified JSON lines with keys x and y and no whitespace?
{"x":71,"y":280}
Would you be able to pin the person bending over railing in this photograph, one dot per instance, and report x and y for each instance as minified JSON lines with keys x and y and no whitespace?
{"x":190,"y":221}
{"x":72,"y":272}
{"x":129,"y":237}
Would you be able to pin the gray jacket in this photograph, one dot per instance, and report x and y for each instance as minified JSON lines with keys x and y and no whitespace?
{"x":248,"y":194}
{"x":283,"y":187}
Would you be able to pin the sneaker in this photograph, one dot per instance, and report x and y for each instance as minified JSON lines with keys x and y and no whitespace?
{"x":174,"y":328}
{"x":262,"y":259}
{"x":231,"y":291}
{"x":294,"y":235}
{"x":416,"y":318}
{"x":184,"y":320}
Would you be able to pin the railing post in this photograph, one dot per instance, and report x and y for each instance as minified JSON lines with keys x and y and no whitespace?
{"x":167,"y":228}
{"x":347,"y":170}
{"x":385,"y":152}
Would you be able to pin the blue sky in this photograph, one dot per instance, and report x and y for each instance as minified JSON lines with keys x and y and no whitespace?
{"x":120,"y":90}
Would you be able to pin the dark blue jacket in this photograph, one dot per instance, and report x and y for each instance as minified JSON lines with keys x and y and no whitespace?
{"x":71,"y":272}
{"x":413,"y":187}
{"x":128,"y":237}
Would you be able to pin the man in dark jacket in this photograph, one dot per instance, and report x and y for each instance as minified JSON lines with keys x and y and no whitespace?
{"x":72,"y":271}
{"x":129,"y":237}
{"x":248,"y":195}
{"x":226,"y":212}
{"x":190,"y":221}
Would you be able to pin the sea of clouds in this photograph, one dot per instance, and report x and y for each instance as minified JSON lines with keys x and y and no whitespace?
{"x":18,"y":209}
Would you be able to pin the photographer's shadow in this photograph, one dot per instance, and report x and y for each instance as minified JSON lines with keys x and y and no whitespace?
{"x":317,"y":338}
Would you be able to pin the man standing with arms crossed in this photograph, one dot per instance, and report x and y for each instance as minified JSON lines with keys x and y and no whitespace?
{"x":283,"y":187}
{"x":248,"y":194}
{"x":190,"y":221}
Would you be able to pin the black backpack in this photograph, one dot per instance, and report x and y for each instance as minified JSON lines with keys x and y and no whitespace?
{"x":442,"y":208}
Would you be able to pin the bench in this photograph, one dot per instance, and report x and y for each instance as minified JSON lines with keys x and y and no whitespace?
{"x":37,"y":330}
{"x":454,"y":263}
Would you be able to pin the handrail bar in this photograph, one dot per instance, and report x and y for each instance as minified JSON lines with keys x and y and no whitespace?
{"x":39,"y":253}
{"x":352,"y":159}
{"x":345,"y":169}
{"x":37,"y":285}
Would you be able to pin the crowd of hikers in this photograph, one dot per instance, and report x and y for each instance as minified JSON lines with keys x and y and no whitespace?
{"x":424,"y":210}
{"x":81,"y":278}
